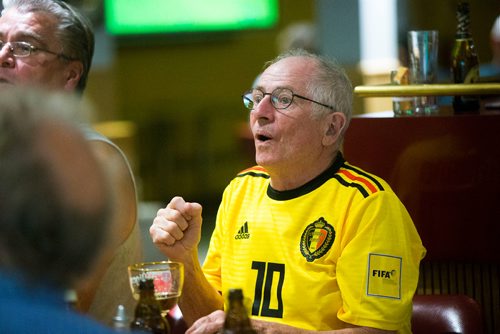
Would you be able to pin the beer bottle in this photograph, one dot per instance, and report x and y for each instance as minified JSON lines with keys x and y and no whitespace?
{"x":148,"y":318}
{"x":464,"y":61}
{"x":237,"y":320}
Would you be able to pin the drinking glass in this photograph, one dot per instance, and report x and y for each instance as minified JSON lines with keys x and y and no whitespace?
{"x":423,"y":52}
{"x":168,"y":278}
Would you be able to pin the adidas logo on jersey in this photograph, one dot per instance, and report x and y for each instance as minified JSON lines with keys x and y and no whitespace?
{"x":243,"y":232}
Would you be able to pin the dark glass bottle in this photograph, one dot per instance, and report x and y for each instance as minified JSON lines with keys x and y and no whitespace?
{"x":237,"y":320}
{"x":464,"y":61}
{"x":148,"y":318}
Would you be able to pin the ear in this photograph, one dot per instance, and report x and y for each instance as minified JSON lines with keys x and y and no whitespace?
{"x":334,"y":124}
{"x":72,"y":74}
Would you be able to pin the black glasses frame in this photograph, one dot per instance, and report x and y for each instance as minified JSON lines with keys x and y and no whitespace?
{"x":250,"y":104}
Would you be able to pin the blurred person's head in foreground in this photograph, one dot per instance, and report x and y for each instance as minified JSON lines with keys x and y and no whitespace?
{"x":54,"y":200}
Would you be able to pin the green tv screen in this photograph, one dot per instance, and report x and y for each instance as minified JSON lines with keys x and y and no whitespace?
{"x":143,"y":17}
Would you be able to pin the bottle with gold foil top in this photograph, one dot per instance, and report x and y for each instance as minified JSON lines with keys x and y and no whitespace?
{"x":464,"y":61}
{"x":237,"y":320}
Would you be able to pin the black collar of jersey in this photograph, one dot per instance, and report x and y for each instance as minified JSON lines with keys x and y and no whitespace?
{"x":309,"y":186}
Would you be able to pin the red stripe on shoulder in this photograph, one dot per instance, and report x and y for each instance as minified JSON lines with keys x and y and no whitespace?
{"x":360,"y":179}
{"x":255,"y":169}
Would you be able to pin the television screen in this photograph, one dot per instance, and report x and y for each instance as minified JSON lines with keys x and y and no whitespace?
{"x":144,"y":17}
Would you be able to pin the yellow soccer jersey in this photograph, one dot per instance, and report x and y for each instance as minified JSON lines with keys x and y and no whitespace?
{"x":340,"y":249}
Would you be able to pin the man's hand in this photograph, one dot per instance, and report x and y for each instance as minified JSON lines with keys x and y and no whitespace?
{"x":212,"y":323}
{"x":176,"y":230}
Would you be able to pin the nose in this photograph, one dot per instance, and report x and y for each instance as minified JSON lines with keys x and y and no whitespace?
{"x":6,"y":56}
{"x":264,"y":109}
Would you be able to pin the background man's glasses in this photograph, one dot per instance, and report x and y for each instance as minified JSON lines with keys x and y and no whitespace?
{"x":24,"y":49}
{"x":281,"y":98}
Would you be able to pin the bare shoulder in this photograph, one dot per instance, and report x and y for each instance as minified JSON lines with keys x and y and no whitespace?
{"x":110,"y":154}
{"x":122,"y":184}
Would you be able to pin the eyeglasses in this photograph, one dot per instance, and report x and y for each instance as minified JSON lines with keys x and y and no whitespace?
{"x":24,"y":49}
{"x":281,"y":98}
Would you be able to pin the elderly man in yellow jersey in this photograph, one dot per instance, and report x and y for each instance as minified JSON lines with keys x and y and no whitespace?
{"x":49,"y":44}
{"x":315,"y":243}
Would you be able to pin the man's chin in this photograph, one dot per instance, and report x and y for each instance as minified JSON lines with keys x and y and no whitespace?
{"x":263,"y":161}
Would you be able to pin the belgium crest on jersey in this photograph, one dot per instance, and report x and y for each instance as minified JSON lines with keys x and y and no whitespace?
{"x":316,"y":239}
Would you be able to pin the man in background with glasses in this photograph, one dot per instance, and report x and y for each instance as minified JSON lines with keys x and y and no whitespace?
{"x":316,"y":243}
{"x":49,"y":44}
{"x":50,"y":48}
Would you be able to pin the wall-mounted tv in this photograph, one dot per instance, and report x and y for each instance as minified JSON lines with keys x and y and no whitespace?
{"x":146,"y":17}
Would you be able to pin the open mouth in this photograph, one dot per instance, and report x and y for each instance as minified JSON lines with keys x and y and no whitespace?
{"x":262,"y":138}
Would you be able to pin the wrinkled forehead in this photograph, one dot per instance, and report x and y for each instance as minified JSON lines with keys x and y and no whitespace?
{"x":38,"y":25}
{"x":291,"y":72}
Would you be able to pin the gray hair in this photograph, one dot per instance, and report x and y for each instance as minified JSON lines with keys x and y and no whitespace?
{"x":74,"y":30}
{"x":328,"y":84}
{"x":43,"y":236}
